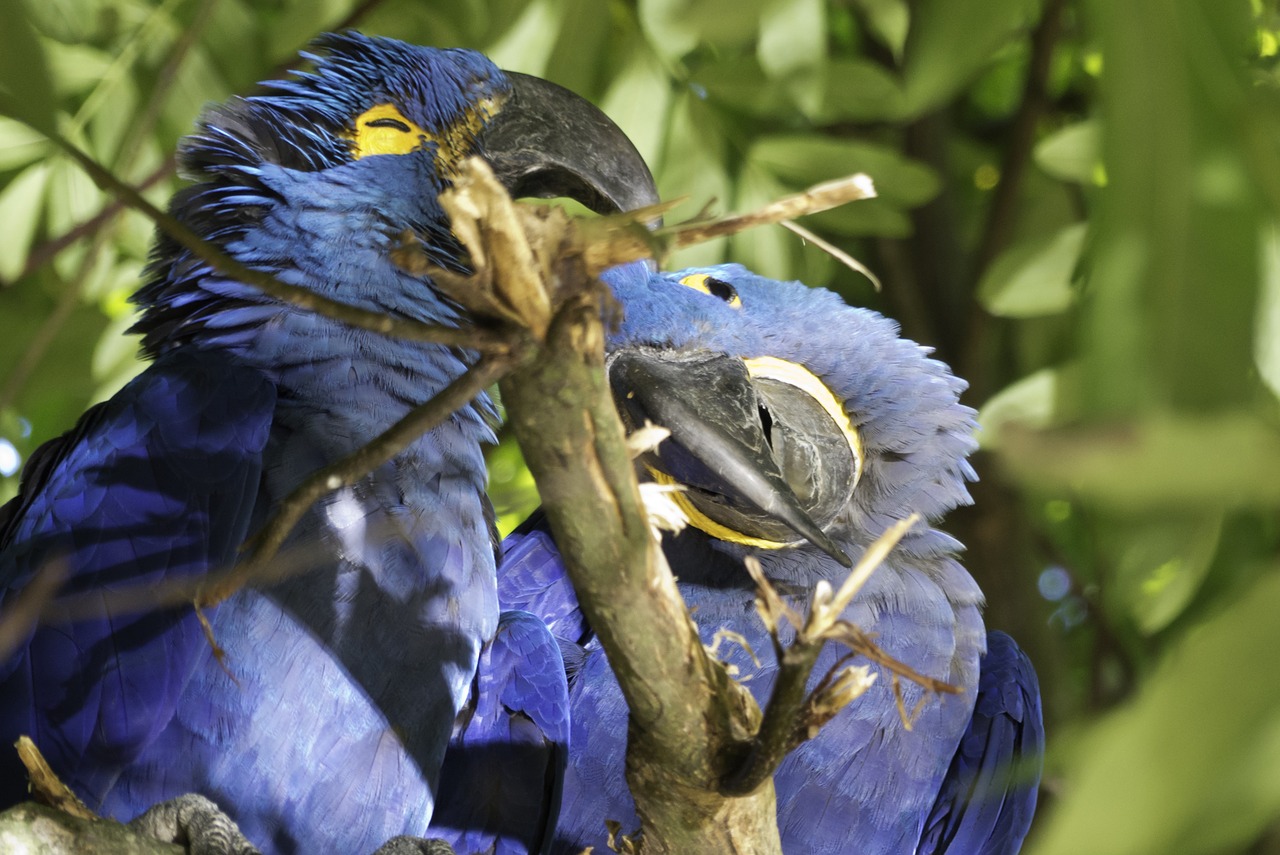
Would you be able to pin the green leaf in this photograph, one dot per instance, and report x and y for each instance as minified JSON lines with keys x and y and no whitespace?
{"x":952,"y":40}
{"x":692,"y":166}
{"x":528,"y":44}
{"x":76,"y":68}
{"x":1162,"y":564}
{"x":639,"y":100}
{"x":25,"y":89}
{"x":73,"y":197}
{"x":676,"y":27}
{"x":1073,"y":153}
{"x":793,"y":36}
{"x":793,"y":46}
{"x":1189,"y":766}
{"x":511,"y":487}
{"x":740,"y":83}
{"x":20,"y":207}
{"x":857,"y":90}
{"x":1030,"y":403}
{"x":888,"y":21}
{"x":1160,"y":462}
{"x":1267,"y":334}
{"x":20,"y":144}
{"x":1034,"y":277}
{"x":804,"y":160}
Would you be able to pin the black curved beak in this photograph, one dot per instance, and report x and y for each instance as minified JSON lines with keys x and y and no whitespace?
{"x":717,"y":441}
{"x":545,"y":142}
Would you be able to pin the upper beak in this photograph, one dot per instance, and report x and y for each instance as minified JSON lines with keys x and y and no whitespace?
{"x":717,"y":441}
{"x":546,"y":142}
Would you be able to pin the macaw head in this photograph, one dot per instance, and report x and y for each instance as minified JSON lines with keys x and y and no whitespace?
{"x":368,"y":96}
{"x":317,"y":177}
{"x":798,"y":423}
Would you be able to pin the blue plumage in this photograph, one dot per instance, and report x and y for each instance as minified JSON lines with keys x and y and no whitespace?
{"x":500,"y":784}
{"x":866,"y":783}
{"x":327,"y":727}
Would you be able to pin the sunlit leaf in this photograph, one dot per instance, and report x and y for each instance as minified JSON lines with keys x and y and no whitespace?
{"x":793,"y":45}
{"x":639,"y":100}
{"x":76,"y":68}
{"x":527,"y":45}
{"x":1267,"y":332}
{"x":675,"y":27}
{"x":1030,"y":403}
{"x":693,"y":165}
{"x":1072,"y":153}
{"x":20,"y":144}
{"x":21,"y":205}
{"x":1034,"y":277}
{"x":511,"y":487}
{"x":888,"y":21}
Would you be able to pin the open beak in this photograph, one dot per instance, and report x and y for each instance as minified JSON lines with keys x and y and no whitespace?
{"x":546,"y":142}
{"x":718,"y":447}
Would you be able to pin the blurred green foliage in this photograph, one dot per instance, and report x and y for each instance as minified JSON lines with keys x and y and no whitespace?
{"x":1078,"y":210}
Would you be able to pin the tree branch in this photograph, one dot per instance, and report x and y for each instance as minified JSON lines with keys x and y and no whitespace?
{"x":374,"y":321}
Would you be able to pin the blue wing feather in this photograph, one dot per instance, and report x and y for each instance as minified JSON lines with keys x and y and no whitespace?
{"x":501,"y":780}
{"x":156,"y":484}
{"x":988,"y":798}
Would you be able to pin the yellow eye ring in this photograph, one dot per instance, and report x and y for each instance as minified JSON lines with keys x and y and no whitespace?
{"x":711,"y":286}
{"x":383,"y":129}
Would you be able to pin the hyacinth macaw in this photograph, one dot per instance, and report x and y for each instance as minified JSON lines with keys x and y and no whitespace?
{"x":803,"y":428}
{"x":326,"y":728}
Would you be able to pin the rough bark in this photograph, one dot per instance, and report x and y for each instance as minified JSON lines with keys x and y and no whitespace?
{"x":40,"y":830}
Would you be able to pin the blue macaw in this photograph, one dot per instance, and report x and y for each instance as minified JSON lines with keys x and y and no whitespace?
{"x":325,"y":728}
{"x":801,"y":430}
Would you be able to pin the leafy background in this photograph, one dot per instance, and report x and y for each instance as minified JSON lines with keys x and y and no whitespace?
{"x":1078,"y":210}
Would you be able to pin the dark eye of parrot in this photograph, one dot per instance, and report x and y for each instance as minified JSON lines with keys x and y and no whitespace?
{"x":388,"y":123}
{"x":383,"y":129}
{"x":715,"y":287}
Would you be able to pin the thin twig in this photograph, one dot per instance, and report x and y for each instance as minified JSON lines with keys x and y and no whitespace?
{"x":834,"y":251}
{"x":792,"y":714}
{"x":374,"y":321}
{"x":53,"y":247}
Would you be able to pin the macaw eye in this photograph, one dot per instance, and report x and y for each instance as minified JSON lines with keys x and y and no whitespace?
{"x":383,"y":129}
{"x":715,"y":287}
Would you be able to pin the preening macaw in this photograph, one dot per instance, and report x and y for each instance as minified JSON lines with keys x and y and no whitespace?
{"x":326,"y":729}
{"x":802,"y":429}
